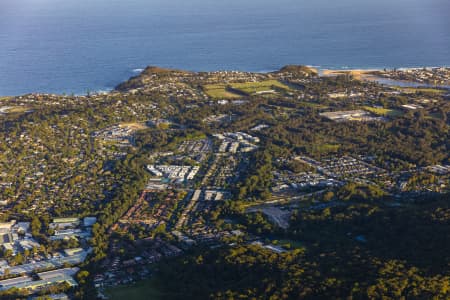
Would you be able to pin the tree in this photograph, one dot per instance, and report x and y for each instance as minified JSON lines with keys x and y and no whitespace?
{"x":35,"y":226}
{"x":18,"y":259}
{"x":328,"y":196}
{"x":82,"y":276}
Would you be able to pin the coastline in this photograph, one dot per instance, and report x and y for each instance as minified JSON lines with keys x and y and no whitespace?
{"x":357,"y":73}
{"x":368,"y":75}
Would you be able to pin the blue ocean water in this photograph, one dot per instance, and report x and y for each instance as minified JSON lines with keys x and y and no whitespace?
{"x":75,"y":46}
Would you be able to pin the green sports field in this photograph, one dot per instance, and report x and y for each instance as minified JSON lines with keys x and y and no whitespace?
{"x":386,"y":112}
{"x":219,"y":91}
{"x":257,"y":87}
{"x":143,"y":290}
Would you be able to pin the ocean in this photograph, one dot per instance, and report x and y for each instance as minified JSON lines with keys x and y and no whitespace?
{"x":76,"y":46}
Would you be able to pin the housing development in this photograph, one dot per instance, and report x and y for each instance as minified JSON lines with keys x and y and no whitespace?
{"x":177,"y":176}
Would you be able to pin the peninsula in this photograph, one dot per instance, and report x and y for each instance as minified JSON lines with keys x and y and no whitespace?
{"x":294,"y":184}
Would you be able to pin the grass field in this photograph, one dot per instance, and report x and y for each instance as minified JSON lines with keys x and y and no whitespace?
{"x":386,"y":112}
{"x":142,"y":290}
{"x":325,"y":148}
{"x":18,"y":109}
{"x":312,"y":104}
{"x":219,"y":91}
{"x":423,"y":90}
{"x":14,"y":109}
{"x":435,"y":116}
{"x":290,"y":244}
{"x":256,"y":87}
{"x":134,"y":126}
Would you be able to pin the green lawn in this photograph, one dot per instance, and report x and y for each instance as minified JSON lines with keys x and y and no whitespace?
{"x":16,"y":109}
{"x":384,"y":111}
{"x":325,"y":148}
{"x":430,"y":90}
{"x":312,"y":104}
{"x":290,"y":244}
{"x":423,"y":90}
{"x":435,"y":116}
{"x":219,"y":91}
{"x":143,"y":290}
{"x":255,"y":87}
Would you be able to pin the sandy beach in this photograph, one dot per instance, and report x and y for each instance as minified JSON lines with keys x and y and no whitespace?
{"x":357,"y":73}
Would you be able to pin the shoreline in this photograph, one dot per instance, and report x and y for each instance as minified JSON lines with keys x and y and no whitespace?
{"x":357,"y":73}
{"x":367,"y":75}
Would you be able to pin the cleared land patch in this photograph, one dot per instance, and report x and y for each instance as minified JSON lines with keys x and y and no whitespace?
{"x":386,"y":112}
{"x":140,"y":291}
{"x":13,"y":109}
{"x":411,"y":90}
{"x":235,"y":90}
{"x":351,"y":115}
{"x":326,"y":148}
{"x":259,"y":87}
{"x":219,"y":91}
{"x":133,"y":126}
{"x":290,"y":244}
{"x":312,"y":104}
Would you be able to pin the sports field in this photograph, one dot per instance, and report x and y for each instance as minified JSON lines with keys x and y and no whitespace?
{"x":219,"y":91}
{"x":258,"y":87}
{"x":143,"y":290}
{"x":386,"y":112}
{"x":233,"y":90}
